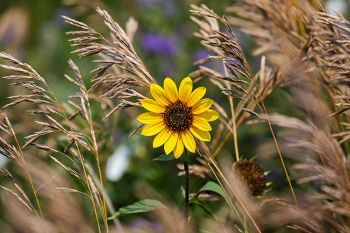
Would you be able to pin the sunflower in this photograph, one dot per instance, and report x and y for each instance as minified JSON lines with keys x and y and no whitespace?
{"x":177,"y":116}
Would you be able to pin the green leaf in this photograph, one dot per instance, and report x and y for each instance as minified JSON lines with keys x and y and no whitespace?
{"x":203,"y":205}
{"x":164,"y":157}
{"x":142,"y":206}
{"x":211,"y":186}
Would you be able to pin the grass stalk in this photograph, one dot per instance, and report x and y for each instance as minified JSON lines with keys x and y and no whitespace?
{"x":280,"y":155}
{"x":233,"y":115}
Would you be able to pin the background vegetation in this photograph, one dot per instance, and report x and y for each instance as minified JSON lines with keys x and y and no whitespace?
{"x":34,"y":32}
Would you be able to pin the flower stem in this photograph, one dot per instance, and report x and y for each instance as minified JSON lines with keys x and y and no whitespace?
{"x":187,"y":186}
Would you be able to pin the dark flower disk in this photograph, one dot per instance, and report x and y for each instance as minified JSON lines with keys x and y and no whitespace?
{"x":253,"y":175}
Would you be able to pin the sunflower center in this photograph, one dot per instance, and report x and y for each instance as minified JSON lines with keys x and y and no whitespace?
{"x":178,"y":116}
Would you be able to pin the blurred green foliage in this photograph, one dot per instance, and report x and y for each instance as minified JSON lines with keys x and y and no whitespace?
{"x":34,"y":32}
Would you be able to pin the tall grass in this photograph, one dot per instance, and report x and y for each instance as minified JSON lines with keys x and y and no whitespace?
{"x":302,"y":50}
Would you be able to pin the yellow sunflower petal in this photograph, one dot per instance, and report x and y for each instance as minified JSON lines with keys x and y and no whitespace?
{"x":209,"y":115}
{"x":150,"y":118}
{"x":152,"y":105}
{"x":201,"y":124}
{"x":196,"y":96}
{"x":171,"y":143}
{"x":161,"y":138}
{"x":200,"y":134}
{"x":171,"y":90}
{"x":150,"y":130}
{"x":202,"y":106}
{"x":189,"y":141}
{"x":185,"y":89}
{"x":159,"y":94}
{"x":179,"y":149}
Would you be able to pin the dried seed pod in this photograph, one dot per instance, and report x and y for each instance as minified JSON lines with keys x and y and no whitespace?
{"x":253,"y":175}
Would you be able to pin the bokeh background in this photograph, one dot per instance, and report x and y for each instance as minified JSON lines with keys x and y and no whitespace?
{"x":34,"y":32}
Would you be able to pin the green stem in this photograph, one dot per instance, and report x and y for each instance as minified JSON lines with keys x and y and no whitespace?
{"x":187,"y":186}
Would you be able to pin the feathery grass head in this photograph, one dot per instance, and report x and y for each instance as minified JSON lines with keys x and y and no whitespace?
{"x":177,"y":115}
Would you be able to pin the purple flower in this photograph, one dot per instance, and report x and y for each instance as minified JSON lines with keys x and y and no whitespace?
{"x":159,"y":44}
{"x":168,"y":6}
{"x":233,"y":62}
{"x":61,"y":11}
{"x":140,"y":224}
{"x":167,"y":71}
{"x":9,"y":35}
{"x":200,"y":54}
{"x":148,"y":3}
